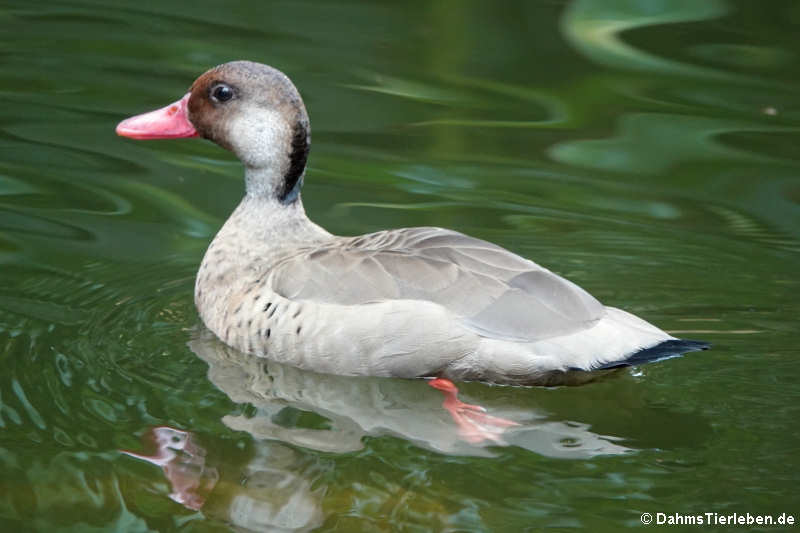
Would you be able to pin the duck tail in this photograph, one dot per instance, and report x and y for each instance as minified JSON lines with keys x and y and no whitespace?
{"x":664,"y":350}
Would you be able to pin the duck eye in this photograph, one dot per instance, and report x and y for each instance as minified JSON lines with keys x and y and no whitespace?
{"x":221,"y":93}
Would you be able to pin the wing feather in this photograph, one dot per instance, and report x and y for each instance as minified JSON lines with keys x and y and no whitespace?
{"x":494,"y":292}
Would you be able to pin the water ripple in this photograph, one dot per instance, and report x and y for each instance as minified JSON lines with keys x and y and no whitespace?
{"x":594,"y":28}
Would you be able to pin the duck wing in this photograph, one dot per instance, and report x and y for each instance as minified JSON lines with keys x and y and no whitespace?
{"x":493,"y":292}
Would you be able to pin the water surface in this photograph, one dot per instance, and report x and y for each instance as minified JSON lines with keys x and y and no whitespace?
{"x":645,"y":150}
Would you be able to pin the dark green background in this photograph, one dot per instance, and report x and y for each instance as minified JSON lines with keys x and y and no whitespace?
{"x":647,"y":150}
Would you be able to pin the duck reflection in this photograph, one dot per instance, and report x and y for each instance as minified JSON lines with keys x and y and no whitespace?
{"x":270,"y":492}
{"x":356,"y":406}
{"x":183,"y":461}
{"x":276,"y":488}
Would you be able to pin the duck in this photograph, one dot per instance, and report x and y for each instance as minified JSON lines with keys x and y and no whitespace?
{"x":420,"y":302}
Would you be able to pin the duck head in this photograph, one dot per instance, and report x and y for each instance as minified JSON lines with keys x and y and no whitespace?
{"x":249,"y":108}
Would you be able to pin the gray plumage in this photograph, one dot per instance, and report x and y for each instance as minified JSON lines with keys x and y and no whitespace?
{"x":407,"y":303}
{"x":490,"y":290}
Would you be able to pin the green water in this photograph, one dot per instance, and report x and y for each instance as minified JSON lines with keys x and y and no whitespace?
{"x":647,"y":150}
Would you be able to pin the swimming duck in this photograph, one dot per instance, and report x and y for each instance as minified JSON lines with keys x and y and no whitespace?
{"x":411,"y":302}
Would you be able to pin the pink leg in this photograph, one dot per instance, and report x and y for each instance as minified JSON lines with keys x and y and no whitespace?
{"x":474,"y":425}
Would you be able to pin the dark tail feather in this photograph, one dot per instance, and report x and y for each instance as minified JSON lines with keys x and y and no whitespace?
{"x":659,"y":352}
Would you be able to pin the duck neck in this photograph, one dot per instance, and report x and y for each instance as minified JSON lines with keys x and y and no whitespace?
{"x":270,"y":185}
{"x":277,"y":168}
{"x":263,"y":224}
